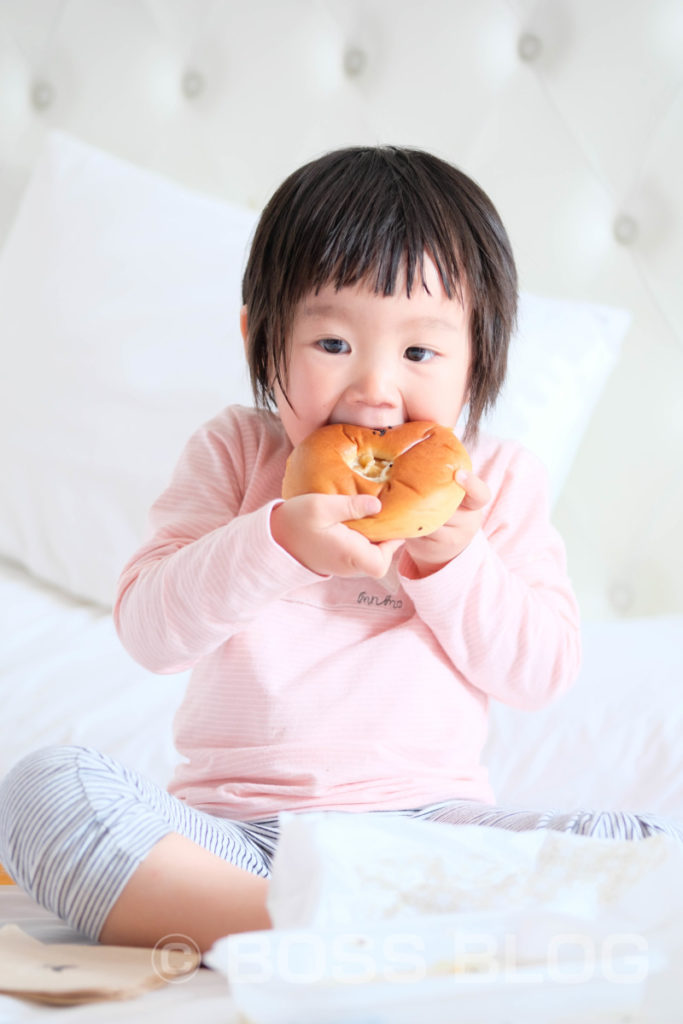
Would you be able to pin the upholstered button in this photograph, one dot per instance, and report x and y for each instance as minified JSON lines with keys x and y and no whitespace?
{"x":42,"y":95}
{"x":193,"y":84}
{"x":625,"y":229}
{"x":621,"y":597}
{"x":529,"y":47}
{"x":355,"y":61}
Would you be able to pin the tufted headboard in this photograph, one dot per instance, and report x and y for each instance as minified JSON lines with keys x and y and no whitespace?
{"x":568,"y":112}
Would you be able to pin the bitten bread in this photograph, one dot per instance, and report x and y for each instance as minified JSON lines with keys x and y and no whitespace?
{"x":411,"y":468}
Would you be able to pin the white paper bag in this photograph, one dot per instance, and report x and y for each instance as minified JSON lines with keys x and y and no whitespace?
{"x":393,"y":920}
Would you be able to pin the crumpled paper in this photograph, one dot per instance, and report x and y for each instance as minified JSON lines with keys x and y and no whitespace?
{"x":398,"y":919}
{"x":68,"y":974}
{"x":333,"y":869}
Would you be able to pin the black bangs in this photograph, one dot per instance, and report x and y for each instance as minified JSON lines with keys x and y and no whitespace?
{"x":365,"y":221}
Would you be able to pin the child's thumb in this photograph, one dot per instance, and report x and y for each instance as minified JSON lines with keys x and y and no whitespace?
{"x":361,"y":505}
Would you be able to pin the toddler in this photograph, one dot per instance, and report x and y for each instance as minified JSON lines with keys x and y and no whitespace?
{"x":328,"y":672}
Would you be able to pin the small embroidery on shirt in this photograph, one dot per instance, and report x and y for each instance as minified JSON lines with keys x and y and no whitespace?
{"x":381,"y":602}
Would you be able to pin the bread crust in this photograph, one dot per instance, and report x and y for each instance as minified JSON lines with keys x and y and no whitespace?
{"x":411,"y":468}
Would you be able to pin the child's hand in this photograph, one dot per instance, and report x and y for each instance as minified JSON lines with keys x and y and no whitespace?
{"x":437,"y":549}
{"x":311,"y":528}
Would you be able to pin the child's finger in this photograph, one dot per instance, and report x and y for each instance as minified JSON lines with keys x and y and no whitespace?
{"x":389,"y":547}
{"x":361,"y":505}
{"x":330,"y":509}
{"x":477,"y":493}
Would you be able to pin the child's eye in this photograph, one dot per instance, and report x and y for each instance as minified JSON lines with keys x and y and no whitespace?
{"x":333,"y":345}
{"x":416,"y":354}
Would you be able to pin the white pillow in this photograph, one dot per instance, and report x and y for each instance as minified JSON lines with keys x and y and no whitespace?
{"x":119,"y":305}
{"x":559,"y":360}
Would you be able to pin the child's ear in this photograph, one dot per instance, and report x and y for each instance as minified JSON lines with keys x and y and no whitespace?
{"x":244,"y":324}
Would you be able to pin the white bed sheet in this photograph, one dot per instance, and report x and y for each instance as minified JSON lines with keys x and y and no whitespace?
{"x":614,"y":740}
{"x":66,"y":679}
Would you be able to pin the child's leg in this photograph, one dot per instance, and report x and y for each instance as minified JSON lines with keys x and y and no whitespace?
{"x":99,"y":844}
{"x":182,"y":889}
{"x":599,"y":824}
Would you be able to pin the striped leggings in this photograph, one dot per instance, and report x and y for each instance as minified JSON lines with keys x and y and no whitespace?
{"x":75,"y":824}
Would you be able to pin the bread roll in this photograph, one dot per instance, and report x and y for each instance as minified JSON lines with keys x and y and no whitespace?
{"x":411,"y":468}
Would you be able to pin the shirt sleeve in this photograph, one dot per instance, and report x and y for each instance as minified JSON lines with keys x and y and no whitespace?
{"x":504,"y":611}
{"x":210,"y":565}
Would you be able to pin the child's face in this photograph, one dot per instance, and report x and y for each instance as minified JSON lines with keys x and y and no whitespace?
{"x":374,"y":360}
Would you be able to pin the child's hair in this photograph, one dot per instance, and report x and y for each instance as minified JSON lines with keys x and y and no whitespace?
{"x":368,"y":214}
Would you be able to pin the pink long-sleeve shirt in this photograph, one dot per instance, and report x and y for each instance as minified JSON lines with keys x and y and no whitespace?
{"x":344,"y":694}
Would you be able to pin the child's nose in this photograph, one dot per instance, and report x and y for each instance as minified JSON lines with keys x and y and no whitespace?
{"x":374,"y":385}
